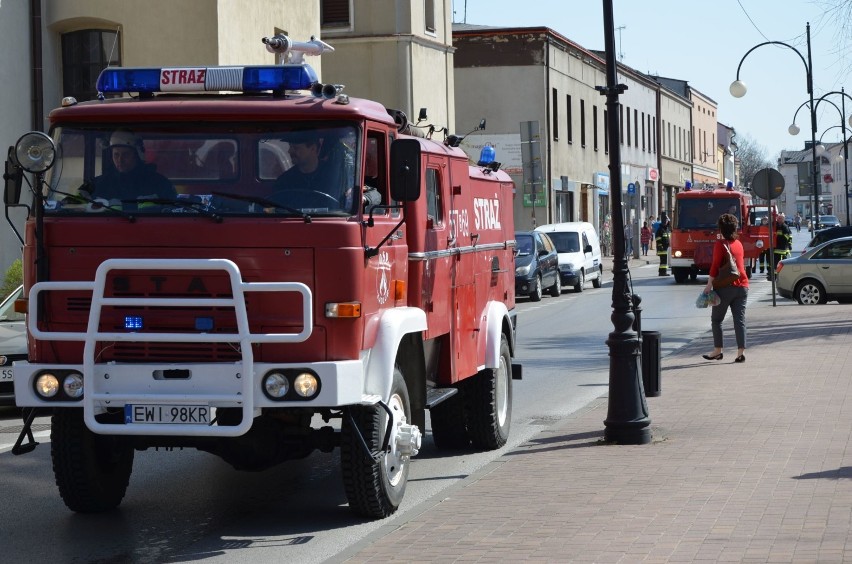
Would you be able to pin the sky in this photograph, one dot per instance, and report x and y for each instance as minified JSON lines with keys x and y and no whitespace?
{"x":702,"y":42}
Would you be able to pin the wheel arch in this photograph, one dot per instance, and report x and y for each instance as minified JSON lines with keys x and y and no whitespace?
{"x":398,"y":331}
{"x":495,"y":323}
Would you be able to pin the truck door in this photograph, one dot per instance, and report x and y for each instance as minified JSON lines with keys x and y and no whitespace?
{"x":465,"y":312}
{"x":438,"y":268}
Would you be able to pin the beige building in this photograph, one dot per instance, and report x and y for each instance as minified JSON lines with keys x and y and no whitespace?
{"x":704,"y":141}
{"x":675,"y":148}
{"x":536,"y":90}
{"x":398,"y":53}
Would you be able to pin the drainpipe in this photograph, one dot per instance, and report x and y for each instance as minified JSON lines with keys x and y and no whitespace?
{"x":657,"y":123}
{"x":548,"y":99}
{"x":37,"y":108}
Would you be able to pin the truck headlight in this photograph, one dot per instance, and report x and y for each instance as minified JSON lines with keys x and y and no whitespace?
{"x":47,"y":385}
{"x":677,"y":254}
{"x":306,"y":385}
{"x":276,"y":385}
{"x":759,"y":244}
{"x":73,"y":385}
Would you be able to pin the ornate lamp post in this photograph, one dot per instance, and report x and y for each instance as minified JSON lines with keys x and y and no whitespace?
{"x":794,"y":130}
{"x":627,"y":420}
{"x":738,"y":90}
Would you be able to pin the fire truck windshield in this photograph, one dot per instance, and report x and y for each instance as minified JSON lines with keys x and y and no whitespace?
{"x":703,"y":213}
{"x":194,"y":168}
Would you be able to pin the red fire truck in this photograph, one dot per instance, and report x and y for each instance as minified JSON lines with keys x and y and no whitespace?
{"x":254,"y":306}
{"x":694,"y":230}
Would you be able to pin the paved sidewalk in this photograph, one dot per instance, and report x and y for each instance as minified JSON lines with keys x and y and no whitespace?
{"x":749,"y":463}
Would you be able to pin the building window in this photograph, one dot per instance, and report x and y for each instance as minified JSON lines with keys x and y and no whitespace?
{"x":636,"y":128}
{"x":85,"y":54}
{"x":643,"y":131}
{"x":582,"y":123}
{"x":663,"y":140}
{"x":621,"y":124}
{"x":570,"y":134}
{"x":595,"y":127}
{"x":430,"y":16}
{"x":650,"y":143}
{"x":628,"y":126}
{"x":335,"y":13}
{"x":555,"y":110}
{"x":606,"y":134}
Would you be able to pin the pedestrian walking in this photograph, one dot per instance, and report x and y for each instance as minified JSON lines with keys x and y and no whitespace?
{"x":783,"y":244}
{"x":628,"y":239}
{"x":734,"y":296}
{"x":662,"y":240}
{"x":797,"y":221}
{"x":645,"y":238}
{"x":654,"y":225}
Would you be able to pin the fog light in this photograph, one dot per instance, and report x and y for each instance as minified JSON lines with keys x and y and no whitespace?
{"x":276,"y":385}
{"x":73,"y":386}
{"x":306,"y":385}
{"x":47,"y":385}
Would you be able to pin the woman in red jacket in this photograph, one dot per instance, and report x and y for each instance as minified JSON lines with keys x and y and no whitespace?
{"x":735,"y":295}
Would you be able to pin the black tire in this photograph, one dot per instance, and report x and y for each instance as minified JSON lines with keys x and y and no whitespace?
{"x":556,"y":289}
{"x":92,"y":471}
{"x":449,"y":424}
{"x":536,"y":294}
{"x":680,"y":275}
{"x":489,"y":401}
{"x":810,"y":292}
{"x":598,"y":282}
{"x":375,"y":489}
{"x":581,"y":282}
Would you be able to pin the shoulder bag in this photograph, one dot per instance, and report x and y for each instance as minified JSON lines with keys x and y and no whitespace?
{"x":728,"y":272}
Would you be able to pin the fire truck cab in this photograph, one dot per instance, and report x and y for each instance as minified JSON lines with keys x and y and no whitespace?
{"x":286,"y":269}
{"x":694,"y":230}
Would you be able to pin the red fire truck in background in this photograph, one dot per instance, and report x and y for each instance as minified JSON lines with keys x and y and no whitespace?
{"x":694,"y":230}
{"x":247,"y":317}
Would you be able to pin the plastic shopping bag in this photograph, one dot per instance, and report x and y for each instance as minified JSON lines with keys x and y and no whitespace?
{"x":707,"y":300}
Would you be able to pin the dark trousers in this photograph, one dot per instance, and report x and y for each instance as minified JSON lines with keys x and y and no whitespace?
{"x":734,"y":297}
{"x":664,"y":267}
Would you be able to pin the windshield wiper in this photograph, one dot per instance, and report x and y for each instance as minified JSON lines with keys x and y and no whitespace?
{"x":96,"y":205}
{"x":178,"y":202}
{"x":267,"y":203}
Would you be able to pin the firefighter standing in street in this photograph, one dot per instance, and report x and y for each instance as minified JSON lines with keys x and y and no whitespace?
{"x":783,"y":244}
{"x":661,"y":238}
{"x":764,"y":256}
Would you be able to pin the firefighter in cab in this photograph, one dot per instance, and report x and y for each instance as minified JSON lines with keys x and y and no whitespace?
{"x":661,"y":238}
{"x":783,"y":243}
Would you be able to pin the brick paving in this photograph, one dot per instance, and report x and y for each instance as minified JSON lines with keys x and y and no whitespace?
{"x":749,"y":463}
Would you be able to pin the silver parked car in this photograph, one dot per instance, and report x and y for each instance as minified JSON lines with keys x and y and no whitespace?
{"x":13,"y":344}
{"x":822,"y":274}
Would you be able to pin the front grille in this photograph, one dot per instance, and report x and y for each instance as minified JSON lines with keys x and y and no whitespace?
{"x":171,"y":352}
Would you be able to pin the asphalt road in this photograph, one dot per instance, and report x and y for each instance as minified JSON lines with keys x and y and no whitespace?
{"x":188,"y":505}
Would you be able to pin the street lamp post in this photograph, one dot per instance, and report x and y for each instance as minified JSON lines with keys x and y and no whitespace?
{"x":627,"y":420}
{"x":794,"y":130}
{"x":738,"y":90}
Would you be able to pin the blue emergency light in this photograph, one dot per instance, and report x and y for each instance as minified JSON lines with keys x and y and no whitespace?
{"x":204,"y":79}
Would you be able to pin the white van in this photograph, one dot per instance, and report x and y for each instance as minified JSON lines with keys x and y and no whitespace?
{"x":579,"y":253}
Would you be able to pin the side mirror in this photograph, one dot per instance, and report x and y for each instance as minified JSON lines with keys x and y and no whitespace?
{"x":13,"y":177}
{"x":405,"y":170}
{"x":587,"y":249}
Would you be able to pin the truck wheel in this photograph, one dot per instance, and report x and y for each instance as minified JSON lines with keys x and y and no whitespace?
{"x":449,"y":424}
{"x":680,"y":275}
{"x":489,"y":400}
{"x":91,"y":470}
{"x":376,"y":488}
{"x":598,"y":281}
{"x":536,"y":294}
{"x":556,"y":289}
{"x":581,"y":281}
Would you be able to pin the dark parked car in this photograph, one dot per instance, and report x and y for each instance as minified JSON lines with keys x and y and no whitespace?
{"x":828,"y":221}
{"x":823,"y":235}
{"x":536,"y":265}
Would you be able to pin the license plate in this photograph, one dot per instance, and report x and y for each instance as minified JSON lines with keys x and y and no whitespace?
{"x":6,"y":374}
{"x":167,"y":414}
